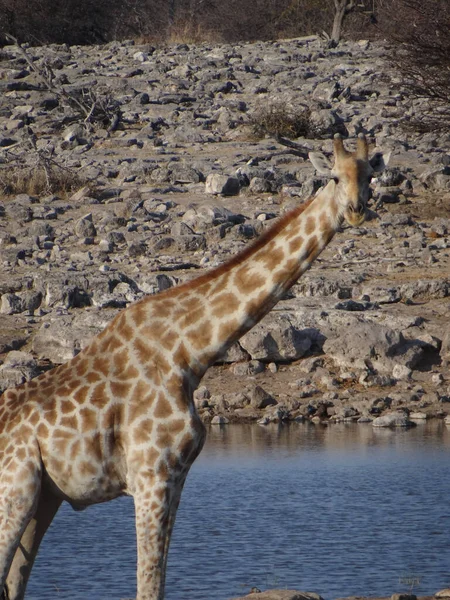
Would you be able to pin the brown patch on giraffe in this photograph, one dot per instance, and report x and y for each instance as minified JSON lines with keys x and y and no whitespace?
{"x":310,"y":225}
{"x":33,"y":417}
{"x":92,"y":349}
{"x":110,"y":418}
{"x":88,"y":419}
{"x":295,"y":244}
{"x":162,"y":306}
{"x":247,"y":280}
{"x":72,"y":385}
{"x":144,"y":351}
{"x":224,"y":304}
{"x":59,"y":446}
{"x":92,"y":377}
{"x":87,"y":469}
{"x":33,"y":384}
{"x":175,"y":426}
{"x":143,"y":431}
{"x":51,"y":414}
{"x":48,"y":388}
{"x":124,"y":330}
{"x":151,"y":456}
{"x":163,"y":408}
{"x":42,"y":430}
{"x":62,"y":391}
{"x":69,"y":422}
{"x":155,"y":330}
{"x":327,"y":236}
{"x":68,"y":406}
{"x":127,"y":373}
{"x":181,"y":357}
{"x":55,"y":465}
{"x":201,"y":337}
{"x":120,"y":390}
{"x":135,"y":411}
{"x":169,"y":340}
{"x":99,"y":397}
{"x":82,"y":367}
{"x":75,"y":449}
{"x":187,"y":319}
{"x":192,"y":303}
{"x":138,"y":314}
{"x":110,"y":344}
{"x":21,"y":454}
{"x":204,"y":288}
{"x":164,"y":438}
{"x":272,"y":259}
{"x":81,"y":395}
{"x":312,"y":248}
{"x":102,"y":364}
{"x":162,"y":471}
{"x":92,"y":446}
{"x":253,"y":307}
{"x":228,"y":330}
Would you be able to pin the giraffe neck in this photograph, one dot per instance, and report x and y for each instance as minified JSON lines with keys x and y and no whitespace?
{"x":198,"y":321}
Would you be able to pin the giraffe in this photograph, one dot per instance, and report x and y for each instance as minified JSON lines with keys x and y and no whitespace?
{"x":119,"y":417}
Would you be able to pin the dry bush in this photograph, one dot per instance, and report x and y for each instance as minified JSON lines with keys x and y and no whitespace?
{"x":38,"y":181}
{"x":281,"y":119}
{"x":420,"y":32}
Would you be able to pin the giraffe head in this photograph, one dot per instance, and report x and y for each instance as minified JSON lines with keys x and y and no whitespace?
{"x":352,"y":173}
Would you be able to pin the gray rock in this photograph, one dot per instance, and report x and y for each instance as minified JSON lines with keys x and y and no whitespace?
{"x":17,"y":368}
{"x":85,"y":228}
{"x":275,"y":339}
{"x":222,"y":184}
{"x":395,"y":419}
{"x":280,"y":595}
{"x":368,"y":345}
{"x":259,"y":398}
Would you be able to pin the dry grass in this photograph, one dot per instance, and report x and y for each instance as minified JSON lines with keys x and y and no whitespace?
{"x":38,"y":181}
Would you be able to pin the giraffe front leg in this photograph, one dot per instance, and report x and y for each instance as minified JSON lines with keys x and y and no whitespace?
{"x":155,"y":508}
{"x":18,"y":500}
{"x":25,"y":555}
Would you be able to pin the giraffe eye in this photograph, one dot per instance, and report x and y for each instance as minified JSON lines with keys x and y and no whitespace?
{"x":336,"y":180}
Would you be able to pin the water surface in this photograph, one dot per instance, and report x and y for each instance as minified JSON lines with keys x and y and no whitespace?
{"x":343,"y":510}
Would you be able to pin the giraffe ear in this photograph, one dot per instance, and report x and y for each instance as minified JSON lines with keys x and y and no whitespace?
{"x":379,"y":161}
{"x":320,"y":163}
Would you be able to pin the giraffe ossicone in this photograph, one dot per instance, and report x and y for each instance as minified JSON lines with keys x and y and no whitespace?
{"x":119,"y":418}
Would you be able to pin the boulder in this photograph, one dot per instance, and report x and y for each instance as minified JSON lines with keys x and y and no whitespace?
{"x":368,"y":345}
{"x":275,"y":339}
{"x":222,"y":184}
{"x":394,"y":419}
{"x":280,"y":595}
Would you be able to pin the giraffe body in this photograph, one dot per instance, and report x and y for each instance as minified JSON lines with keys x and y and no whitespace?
{"x":119,"y":418}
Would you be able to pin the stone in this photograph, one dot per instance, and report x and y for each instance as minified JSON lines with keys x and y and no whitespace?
{"x":222,"y":184}
{"x":85,"y":228}
{"x":395,"y":419}
{"x":219,"y":420}
{"x":280,"y":595}
{"x":259,"y":398}
{"x":275,"y":339}
{"x":17,"y":368}
{"x":371,"y":345}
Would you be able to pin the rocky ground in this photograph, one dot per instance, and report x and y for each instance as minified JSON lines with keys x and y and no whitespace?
{"x":168,"y":179}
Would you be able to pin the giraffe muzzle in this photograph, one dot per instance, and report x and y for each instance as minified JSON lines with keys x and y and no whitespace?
{"x":356,"y":216}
